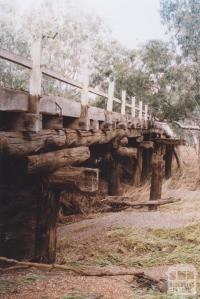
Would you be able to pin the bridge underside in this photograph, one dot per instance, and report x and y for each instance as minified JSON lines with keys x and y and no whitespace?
{"x":67,"y":148}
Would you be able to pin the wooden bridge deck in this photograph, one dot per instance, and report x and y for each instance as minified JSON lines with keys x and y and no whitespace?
{"x":50,"y":146}
{"x":57,"y":113}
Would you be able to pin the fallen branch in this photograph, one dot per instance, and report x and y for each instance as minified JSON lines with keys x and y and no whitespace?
{"x":81,"y":272}
{"x":126,"y":204}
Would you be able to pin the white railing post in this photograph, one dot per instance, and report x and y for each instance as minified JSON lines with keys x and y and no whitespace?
{"x":133,"y":107}
{"x":36,"y":76}
{"x":123,"y":107}
{"x":146,"y":112}
{"x":85,"y":80}
{"x":140,"y":109}
{"x":110,"y":96}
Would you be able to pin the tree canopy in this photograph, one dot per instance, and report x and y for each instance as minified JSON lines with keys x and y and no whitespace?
{"x":163,"y":74}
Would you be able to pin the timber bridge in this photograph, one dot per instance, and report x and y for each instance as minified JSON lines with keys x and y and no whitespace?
{"x":50,"y":145}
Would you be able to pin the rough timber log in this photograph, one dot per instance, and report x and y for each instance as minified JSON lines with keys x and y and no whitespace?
{"x":138,"y":169}
{"x":157,"y":177}
{"x":17,"y":220}
{"x":127,"y":152}
{"x":50,"y":161}
{"x":21,"y":143}
{"x":46,"y":226}
{"x":84,"y":179}
{"x":146,"y":164}
{"x":168,"y":161}
{"x":112,"y":170}
{"x":27,"y":143}
{"x":114,"y":180}
{"x":28,"y":215}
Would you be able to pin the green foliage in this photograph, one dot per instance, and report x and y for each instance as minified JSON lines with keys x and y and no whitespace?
{"x":156,"y":73}
{"x":183,"y":20}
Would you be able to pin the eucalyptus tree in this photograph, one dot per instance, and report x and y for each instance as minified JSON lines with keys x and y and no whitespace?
{"x":183,"y":20}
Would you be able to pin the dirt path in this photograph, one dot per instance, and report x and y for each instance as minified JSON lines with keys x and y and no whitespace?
{"x":84,"y":239}
{"x":184,"y":213}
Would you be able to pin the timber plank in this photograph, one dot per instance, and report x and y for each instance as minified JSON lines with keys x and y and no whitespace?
{"x":13,"y":100}
{"x":60,"y":106}
{"x":96,"y":113}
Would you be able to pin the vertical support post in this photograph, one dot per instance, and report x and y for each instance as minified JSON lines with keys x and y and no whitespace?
{"x":138,"y":169}
{"x":84,"y":93}
{"x":133,"y":107}
{"x":123,"y":107}
{"x":36,"y":76}
{"x":110,"y":96}
{"x":157,"y":177}
{"x":146,"y":112}
{"x":84,"y":122}
{"x":114,"y":178}
{"x":140,"y":109}
{"x":168,"y":161}
{"x":46,"y":226}
{"x":146,"y":164}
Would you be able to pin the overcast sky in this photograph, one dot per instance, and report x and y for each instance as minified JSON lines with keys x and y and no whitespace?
{"x":132,"y":21}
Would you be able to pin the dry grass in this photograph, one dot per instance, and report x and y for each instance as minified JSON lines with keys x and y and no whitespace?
{"x":138,"y":248}
{"x":185,"y":179}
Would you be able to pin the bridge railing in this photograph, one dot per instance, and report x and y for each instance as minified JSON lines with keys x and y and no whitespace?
{"x":35,"y":83}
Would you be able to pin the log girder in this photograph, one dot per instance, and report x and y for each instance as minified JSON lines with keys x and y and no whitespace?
{"x":51,"y":161}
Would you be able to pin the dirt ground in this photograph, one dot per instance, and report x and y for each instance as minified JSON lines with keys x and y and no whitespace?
{"x":130,"y":239}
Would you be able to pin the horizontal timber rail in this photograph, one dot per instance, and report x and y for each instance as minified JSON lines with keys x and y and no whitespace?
{"x":36,"y":104}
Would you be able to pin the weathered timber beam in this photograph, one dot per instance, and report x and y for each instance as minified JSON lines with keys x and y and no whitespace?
{"x":84,"y":179}
{"x":147,"y":144}
{"x":59,"y":106}
{"x":53,"y":160}
{"x":170,"y":141}
{"x":13,"y":100}
{"x":27,"y":143}
{"x":127,"y":152}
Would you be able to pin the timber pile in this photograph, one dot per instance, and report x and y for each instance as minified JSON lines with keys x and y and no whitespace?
{"x":37,"y":167}
{"x":49,"y":145}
